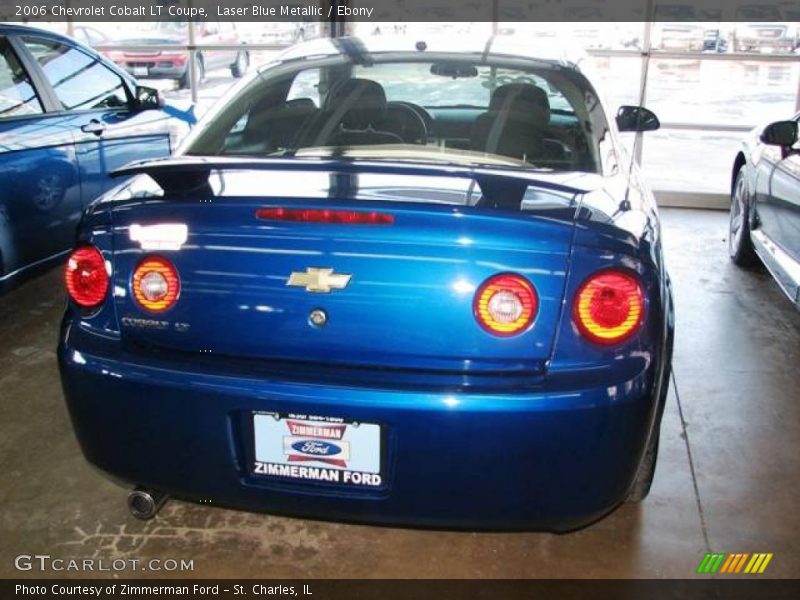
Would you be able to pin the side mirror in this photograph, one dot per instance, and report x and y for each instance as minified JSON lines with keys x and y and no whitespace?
{"x":636,"y":118}
{"x":148,"y":98}
{"x":780,"y":133}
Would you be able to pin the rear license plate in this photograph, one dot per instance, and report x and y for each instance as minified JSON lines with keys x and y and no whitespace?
{"x":141,"y":71}
{"x":320,"y":449}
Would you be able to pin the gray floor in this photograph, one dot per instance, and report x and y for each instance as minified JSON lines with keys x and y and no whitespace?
{"x":728,"y":477}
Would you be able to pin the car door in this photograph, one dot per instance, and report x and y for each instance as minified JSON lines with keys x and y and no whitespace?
{"x":784,"y":191}
{"x":97,"y":103}
{"x":777,"y":192}
{"x":766,"y":159}
{"x":40,"y":200}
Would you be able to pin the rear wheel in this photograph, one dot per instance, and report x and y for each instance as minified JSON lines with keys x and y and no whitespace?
{"x":740,"y":246}
{"x":49,"y":191}
{"x":647,"y":470}
{"x":186,"y":78}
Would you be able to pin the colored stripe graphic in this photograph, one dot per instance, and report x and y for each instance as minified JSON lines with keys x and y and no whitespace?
{"x":727,"y":564}
{"x":765,"y":563}
{"x":711,"y":562}
{"x":733,"y":563}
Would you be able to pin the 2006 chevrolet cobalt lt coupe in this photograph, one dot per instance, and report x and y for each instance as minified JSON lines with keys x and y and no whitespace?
{"x":384,"y":282}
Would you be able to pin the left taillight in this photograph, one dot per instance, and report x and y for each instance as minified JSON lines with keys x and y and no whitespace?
{"x":86,"y":277}
{"x":506,"y":304}
{"x":156,"y":285}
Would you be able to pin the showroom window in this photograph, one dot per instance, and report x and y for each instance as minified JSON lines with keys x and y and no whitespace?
{"x":80,"y":82}
{"x":17,"y":96}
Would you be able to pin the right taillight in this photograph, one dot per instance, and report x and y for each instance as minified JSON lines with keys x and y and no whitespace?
{"x":155,"y":284}
{"x":609,"y":307}
{"x":86,"y":277}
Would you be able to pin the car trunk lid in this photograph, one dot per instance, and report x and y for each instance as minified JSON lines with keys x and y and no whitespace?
{"x":396,"y":294}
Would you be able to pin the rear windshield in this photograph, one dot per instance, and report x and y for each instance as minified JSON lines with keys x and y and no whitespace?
{"x":453,"y":111}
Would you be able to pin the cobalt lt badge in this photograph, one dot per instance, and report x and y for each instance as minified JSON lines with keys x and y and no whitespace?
{"x":319,"y":281}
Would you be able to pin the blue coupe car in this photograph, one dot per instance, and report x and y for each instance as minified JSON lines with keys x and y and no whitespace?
{"x":383,"y":281}
{"x":67,"y":118}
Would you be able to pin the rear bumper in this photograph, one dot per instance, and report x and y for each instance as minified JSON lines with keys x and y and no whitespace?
{"x":162,"y":69}
{"x":543,"y":459}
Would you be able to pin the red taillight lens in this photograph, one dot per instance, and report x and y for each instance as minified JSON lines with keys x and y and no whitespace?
{"x":156,"y":285}
{"x":338,"y":217}
{"x":609,"y":307}
{"x":506,"y":304}
{"x":86,"y":277}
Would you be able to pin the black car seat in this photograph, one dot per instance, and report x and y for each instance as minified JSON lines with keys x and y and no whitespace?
{"x":351,"y":116}
{"x":274,"y":126}
{"x":515,"y":124}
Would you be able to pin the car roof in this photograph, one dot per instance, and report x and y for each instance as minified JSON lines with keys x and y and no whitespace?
{"x":14,"y":29}
{"x":484,"y":47}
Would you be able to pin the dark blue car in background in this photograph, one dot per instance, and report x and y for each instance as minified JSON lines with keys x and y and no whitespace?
{"x":385,"y":281}
{"x":67,"y":118}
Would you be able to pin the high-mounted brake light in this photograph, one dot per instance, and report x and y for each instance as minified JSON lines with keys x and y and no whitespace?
{"x":609,"y":307}
{"x":506,"y":304}
{"x":315,"y":215}
{"x":156,"y":285}
{"x":86,"y":277}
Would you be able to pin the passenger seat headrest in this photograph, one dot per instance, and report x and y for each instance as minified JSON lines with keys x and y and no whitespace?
{"x":523,"y":100}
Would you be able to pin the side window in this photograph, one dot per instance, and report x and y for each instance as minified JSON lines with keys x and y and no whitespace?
{"x":305,"y":85}
{"x":80,"y":81}
{"x":17,"y":96}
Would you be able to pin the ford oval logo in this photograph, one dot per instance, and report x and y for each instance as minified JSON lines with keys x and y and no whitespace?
{"x":316,"y":448}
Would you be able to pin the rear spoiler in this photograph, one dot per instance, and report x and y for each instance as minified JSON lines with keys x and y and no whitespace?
{"x":189,"y":175}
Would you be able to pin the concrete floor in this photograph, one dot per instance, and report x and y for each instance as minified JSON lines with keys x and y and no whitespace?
{"x":728,"y":477}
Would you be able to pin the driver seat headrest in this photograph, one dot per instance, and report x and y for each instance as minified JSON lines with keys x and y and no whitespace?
{"x":365,"y":102}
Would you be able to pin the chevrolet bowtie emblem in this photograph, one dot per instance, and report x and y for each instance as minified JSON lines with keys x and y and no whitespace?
{"x":319,"y":281}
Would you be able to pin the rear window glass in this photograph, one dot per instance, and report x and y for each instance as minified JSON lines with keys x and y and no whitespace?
{"x":452,"y":111}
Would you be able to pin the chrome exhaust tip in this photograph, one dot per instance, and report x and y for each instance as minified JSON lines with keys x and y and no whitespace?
{"x":144,"y":503}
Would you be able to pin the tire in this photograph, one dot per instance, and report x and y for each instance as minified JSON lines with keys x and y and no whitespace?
{"x":239,"y":66}
{"x":184,"y":81}
{"x":740,"y":246}
{"x":647,"y":470}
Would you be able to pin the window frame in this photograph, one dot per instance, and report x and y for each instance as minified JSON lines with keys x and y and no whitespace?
{"x":47,"y":93}
{"x":32,"y":78}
